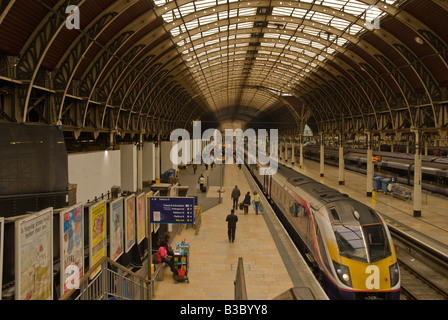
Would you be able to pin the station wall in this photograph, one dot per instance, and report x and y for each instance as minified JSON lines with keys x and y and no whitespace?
{"x":94,"y":173}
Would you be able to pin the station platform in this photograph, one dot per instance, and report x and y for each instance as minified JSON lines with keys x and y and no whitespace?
{"x":431,"y":228}
{"x":272,"y":264}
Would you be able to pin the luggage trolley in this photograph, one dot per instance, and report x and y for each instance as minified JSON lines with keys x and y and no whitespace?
{"x":181,"y":262}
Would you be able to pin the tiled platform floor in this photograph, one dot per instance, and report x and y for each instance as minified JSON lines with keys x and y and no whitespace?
{"x":213,"y":260}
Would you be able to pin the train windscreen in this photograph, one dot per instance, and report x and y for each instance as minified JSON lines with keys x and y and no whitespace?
{"x":363,"y":243}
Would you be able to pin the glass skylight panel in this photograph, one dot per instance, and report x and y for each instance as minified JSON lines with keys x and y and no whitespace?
{"x":204,"y":4}
{"x":242,"y":36}
{"x":354,"y":29}
{"x":244,"y":12}
{"x":335,"y":4}
{"x":245,"y":25}
{"x":160,"y":3}
{"x":282,"y":11}
{"x":299,"y":13}
{"x":355,"y":7}
{"x":321,"y":17}
{"x":291,"y":26}
{"x":271,"y":35}
{"x":317,"y":45}
{"x":187,"y":8}
{"x":192,"y":24}
{"x":339,"y":24}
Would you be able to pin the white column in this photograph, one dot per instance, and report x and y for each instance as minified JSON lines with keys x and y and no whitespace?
{"x":149,"y":161}
{"x":369,"y":182}
{"x":165,"y":152}
{"x":301,"y":151}
{"x":157,"y":160}
{"x":293,"y":156}
{"x":322,"y":155}
{"x":128,"y":167}
{"x":341,"y":162}
{"x":417,"y":177}
{"x":140,"y":164}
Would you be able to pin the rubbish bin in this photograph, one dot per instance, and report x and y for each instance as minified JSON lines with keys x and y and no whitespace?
{"x":384,"y":183}
{"x":182,"y":191}
{"x":377,"y":183}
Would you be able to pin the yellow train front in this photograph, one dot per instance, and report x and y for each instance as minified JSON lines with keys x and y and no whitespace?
{"x":361,"y":261}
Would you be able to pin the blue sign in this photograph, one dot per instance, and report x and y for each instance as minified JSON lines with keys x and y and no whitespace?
{"x":172,"y":210}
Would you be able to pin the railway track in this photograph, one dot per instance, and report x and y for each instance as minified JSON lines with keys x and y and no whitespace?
{"x":424,"y":270}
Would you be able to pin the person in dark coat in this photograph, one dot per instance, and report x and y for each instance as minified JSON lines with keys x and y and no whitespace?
{"x":235,"y":196}
{"x":246,"y":202}
{"x":231,"y":219}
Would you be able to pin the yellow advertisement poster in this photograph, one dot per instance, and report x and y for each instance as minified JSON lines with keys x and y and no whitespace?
{"x":141,"y":226}
{"x":97,"y":231}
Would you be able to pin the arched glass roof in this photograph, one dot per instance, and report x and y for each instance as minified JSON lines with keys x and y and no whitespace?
{"x":267,"y":44}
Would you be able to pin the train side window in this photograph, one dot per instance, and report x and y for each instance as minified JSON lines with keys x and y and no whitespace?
{"x":335,"y":214}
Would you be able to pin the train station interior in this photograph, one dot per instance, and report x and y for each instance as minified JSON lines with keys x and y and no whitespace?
{"x":126,"y":127}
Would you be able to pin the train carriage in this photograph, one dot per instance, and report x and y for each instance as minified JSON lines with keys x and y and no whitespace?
{"x":346,"y":241}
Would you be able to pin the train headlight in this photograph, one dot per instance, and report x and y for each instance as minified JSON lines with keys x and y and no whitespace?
{"x":343,"y":273}
{"x":394,"y":274}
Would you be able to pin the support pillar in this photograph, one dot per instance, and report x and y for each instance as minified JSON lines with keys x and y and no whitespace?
{"x":301,"y":152}
{"x":341,"y":162}
{"x":293,"y":156}
{"x":322,"y":154}
{"x":140,"y":163}
{"x":369,"y":182}
{"x":417,"y":176}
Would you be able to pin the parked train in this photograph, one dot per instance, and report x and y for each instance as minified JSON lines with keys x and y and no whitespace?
{"x":389,"y":164}
{"x":347,"y":242}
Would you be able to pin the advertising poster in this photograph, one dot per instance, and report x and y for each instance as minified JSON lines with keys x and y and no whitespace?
{"x":97,"y":234}
{"x":116,"y":247}
{"x":2,"y":228}
{"x":34,"y":256}
{"x":141,"y":228}
{"x":129,"y":222}
{"x":71,"y":246}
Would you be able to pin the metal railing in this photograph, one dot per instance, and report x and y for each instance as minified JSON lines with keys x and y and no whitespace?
{"x":240,"y":282}
{"x":113,"y":282}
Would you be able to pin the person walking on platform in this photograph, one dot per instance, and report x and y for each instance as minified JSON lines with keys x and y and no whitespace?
{"x":246,"y":202}
{"x":201,"y":182}
{"x":231,"y":219}
{"x":195,"y":167}
{"x":235,"y":196}
{"x":256,"y":202}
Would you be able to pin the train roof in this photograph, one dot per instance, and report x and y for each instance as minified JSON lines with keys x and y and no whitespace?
{"x":341,"y":208}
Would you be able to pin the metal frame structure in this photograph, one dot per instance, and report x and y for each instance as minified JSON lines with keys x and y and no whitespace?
{"x":148,"y":67}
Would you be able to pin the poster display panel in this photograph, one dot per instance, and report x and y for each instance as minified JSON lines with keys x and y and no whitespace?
{"x":2,"y":231}
{"x":34,"y":256}
{"x":129,"y":222}
{"x":71,"y":224}
{"x":116,"y":247}
{"x":141,"y":227}
{"x":97,"y":234}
